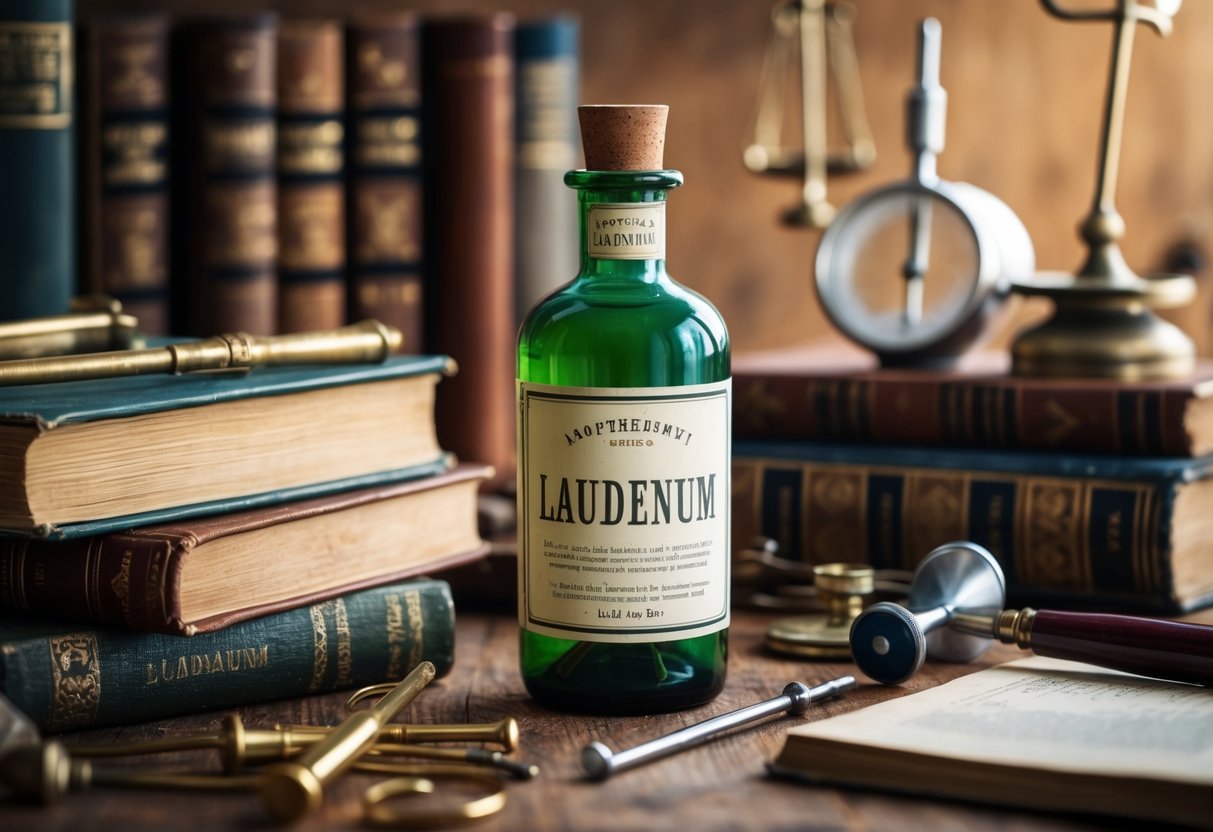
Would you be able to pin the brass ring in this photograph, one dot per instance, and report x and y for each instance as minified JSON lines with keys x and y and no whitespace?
{"x":415,"y":780}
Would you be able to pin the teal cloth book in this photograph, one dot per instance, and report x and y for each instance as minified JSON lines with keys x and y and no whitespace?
{"x":37,"y":211}
{"x":1127,"y":533}
{"x":67,"y":677}
{"x":82,"y":458}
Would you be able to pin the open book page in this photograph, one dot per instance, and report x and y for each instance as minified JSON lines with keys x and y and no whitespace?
{"x":1046,"y":714}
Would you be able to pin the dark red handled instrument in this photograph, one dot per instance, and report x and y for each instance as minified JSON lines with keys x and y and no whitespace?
{"x":1146,"y":646}
{"x":954,"y":610}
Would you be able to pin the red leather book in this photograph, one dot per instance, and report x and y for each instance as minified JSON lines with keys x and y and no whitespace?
{"x":468,"y":100}
{"x":835,"y":392}
{"x":207,"y":573}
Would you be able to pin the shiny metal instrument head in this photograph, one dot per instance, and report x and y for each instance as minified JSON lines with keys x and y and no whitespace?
{"x":890,"y":642}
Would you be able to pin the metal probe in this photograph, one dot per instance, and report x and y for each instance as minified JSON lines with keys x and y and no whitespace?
{"x":600,"y":762}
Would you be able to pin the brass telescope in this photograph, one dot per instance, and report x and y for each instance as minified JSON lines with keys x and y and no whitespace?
{"x":368,"y":341}
{"x":95,"y":323}
{"x":239,"y":746}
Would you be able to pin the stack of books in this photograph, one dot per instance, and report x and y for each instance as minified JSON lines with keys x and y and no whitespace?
{"x":249,"y":171}
{"x":180,"y":543}
{"x":1092,"y":493}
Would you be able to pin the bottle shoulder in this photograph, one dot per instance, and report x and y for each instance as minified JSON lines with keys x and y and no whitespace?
{"x":595,"y":307}
{"x":661,"y":335}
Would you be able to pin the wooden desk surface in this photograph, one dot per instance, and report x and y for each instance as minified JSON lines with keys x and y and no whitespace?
{"x":718,"y":786}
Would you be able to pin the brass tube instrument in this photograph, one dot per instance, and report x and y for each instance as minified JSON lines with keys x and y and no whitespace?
{"x":504,"y":732}
{"x":365,"y":342}
{"x":239,"y":746}
{"x":44,"y":772}
{"x":95,"y":323}
{"x":291,"y":789}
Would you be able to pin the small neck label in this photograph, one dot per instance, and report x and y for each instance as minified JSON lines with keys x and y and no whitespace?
{"x":626,"y":231}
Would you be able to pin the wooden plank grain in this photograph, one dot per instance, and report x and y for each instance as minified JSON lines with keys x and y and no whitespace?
{"x":721,"y":785}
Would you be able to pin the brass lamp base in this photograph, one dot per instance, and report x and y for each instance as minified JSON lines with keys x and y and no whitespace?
{"x":1100,"y":330}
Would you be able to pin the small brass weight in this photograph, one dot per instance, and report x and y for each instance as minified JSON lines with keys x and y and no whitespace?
{"x":1104,"y":324}
{"x":844,"y":587}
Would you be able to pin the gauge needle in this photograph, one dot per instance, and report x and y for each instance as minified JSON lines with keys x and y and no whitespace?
{"x":915,"y":267}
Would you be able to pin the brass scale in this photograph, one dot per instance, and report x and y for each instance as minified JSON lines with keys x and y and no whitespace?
{"x":1103,"y":326}
{"x":915,"y":270}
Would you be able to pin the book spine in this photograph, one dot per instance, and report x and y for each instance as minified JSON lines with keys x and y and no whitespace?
{"x":1003,"y":413}
{"x":37,"y":212}
{"x":468,"y":96}
{"x":89,"y":678}
{"x":128,"y":580}
{"x":225,"y":200}
{"x":1059,"y":538}
{"x":546,"y":55}
{"x":384,"y":181}
{"x":311,"y":163}
{"x":124,"y":164}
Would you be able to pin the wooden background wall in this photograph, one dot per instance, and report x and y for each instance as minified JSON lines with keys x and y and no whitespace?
{"x":1025,"y":92}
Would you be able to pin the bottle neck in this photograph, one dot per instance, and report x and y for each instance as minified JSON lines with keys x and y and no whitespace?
{"x":622,"y":222}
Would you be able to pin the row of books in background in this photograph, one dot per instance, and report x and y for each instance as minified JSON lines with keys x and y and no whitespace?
{"x":262,"y":174}
{"x":180,"y":544}
{"x":1091,"y":493}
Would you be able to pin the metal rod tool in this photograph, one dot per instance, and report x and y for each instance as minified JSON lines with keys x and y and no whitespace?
{"x":599,"y":762}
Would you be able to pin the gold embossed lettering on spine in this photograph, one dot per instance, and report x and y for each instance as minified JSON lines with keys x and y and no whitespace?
{"x":123,"y":164}
{"x":37,"y":211}
{"x":383,"y":77}
{"x":225,"y":242}
{"x":624,"y":405}
{"x":311,"y":162}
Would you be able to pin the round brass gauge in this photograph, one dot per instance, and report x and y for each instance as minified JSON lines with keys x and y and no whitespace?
{"x":913,"y":270}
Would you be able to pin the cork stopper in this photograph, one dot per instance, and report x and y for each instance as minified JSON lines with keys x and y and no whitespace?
{"x":623,"y":136}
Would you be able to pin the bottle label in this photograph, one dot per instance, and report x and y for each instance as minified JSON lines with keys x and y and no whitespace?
{"x":624,"y":500}
{"x":626,"y":231}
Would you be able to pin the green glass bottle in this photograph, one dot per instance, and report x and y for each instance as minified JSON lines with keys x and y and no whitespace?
{"x":624,"y":485}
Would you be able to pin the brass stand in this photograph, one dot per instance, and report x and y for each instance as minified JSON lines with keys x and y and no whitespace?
{"x":1104,"y":323}
{"x":820,"y":33}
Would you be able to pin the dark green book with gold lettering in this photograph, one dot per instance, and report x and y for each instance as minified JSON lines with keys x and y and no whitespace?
{"x":37,"y":211}
{"x":71,"y":676}
{"x":1118,"y":533}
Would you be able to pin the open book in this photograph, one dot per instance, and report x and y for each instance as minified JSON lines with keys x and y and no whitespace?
{"x":1040,"y":733}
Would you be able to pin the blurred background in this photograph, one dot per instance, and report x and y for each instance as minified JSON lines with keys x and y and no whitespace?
{"x":1026,"y":94}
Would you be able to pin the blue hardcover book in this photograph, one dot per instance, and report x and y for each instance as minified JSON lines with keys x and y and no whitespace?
{"x":1096,"y":531}
{"x":82,"y":458}
{"x":37,"y":212}
{"x":547,"y":55}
